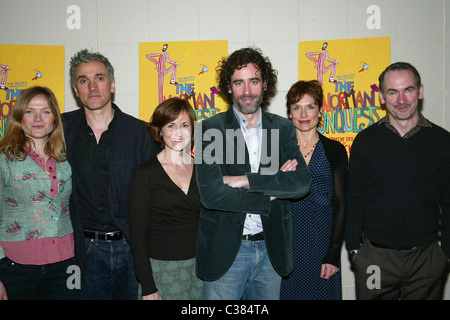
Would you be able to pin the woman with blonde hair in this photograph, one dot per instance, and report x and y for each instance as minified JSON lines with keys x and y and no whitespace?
{"x":36,"y":234}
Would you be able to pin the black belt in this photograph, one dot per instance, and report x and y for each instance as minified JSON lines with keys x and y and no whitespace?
{"x":388,"y":246}
{"x":254,"y":237}
{"x":107,"y":236}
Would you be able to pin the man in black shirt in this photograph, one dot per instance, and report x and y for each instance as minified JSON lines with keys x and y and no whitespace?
{"x":104,"y":147}
{"x":399,"y":196}
{"x":92,"y":158}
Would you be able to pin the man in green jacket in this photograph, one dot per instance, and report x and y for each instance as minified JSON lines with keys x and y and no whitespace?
{"x":248,"y":166}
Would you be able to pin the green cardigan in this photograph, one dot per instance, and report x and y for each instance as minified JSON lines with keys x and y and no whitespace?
{"x":224,"y":208}
{"x":27,"y":210}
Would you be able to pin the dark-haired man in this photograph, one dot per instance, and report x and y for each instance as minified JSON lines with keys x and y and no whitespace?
{"x":399,"y":196}
{"x":245,"y":239}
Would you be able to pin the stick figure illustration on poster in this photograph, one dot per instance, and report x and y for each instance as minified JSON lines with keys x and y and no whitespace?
{"x":351,"y":94}
{"x":163,"y":58}
{"x":183,"y":69}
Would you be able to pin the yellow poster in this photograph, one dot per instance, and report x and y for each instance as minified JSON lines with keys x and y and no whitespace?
{"x":24,"y":66}
{"x":183,"y":69}
{"x":348,"y":71}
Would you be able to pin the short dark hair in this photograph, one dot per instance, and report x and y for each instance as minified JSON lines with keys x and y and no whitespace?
{"x":241,"y":58}
{"x":399,"y":66}
{"x":300,"y":88}
{"x":166,"y":112}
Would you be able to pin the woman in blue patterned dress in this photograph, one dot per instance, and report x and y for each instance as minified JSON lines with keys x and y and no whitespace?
{"x":318,"y":217}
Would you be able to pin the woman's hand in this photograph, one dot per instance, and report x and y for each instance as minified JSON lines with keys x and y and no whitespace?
{"x":3,"y":295}
{"x":328,"y":270}
{"x":153,"y":296}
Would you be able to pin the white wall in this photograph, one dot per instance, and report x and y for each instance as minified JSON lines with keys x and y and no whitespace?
{"x":418,"y":30}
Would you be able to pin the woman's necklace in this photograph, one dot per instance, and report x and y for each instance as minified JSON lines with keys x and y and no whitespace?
{"x":311,"y":150}
{"x":178,"y":170}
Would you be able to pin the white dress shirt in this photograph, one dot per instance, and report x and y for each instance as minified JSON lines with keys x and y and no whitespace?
{"x":253,"y":140}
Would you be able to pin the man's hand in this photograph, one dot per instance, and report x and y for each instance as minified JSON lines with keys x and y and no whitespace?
{"x":289,"y":165}
{"x":236,"y":181}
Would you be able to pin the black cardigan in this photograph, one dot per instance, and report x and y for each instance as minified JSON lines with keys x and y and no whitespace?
{"x":338,"y":159}
{"x":163,"y":220}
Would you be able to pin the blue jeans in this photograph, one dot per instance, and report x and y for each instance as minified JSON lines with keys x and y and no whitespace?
{"x":251,"y":277}
{"x":109,"y":272}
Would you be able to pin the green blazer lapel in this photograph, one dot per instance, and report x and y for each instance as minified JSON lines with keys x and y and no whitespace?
{"x":235,"y":137}
{"x":270,"y":144}
{"x":230,"y":119}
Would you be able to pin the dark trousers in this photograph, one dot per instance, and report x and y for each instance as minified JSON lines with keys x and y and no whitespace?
{"x":37,"y":282}
{"x":407,"y":274}
{"x":109,"y":272}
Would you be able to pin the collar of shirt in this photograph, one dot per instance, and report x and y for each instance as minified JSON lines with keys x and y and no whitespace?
{"x":421,"y":123}
{"x":243,"y":123}
{"x":253,"y":139}
{"x":40,"y":161}
{"x":49,"y":168}
{"x":111,"y":125}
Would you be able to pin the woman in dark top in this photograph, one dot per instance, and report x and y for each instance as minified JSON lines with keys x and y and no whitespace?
{"x":165,"y":208}
{"x":318,"y":217}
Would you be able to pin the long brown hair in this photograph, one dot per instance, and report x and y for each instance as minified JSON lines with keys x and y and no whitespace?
{"x":15,"y":140}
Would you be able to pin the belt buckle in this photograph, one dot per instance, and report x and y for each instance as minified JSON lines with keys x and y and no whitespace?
{"x":109,"y":234}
